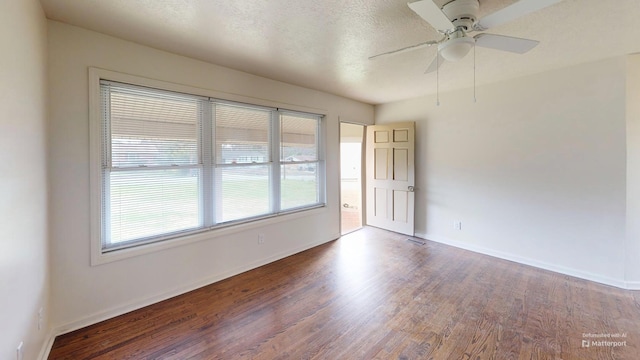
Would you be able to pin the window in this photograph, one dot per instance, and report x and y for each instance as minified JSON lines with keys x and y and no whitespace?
{"x":174,"y":164}
{"x":299,"y":155}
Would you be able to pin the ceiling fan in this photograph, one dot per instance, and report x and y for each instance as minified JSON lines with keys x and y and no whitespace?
{"x":457,"y":18}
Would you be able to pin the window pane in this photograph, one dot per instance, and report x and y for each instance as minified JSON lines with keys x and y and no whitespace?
{"x":299,"y":185}
{"x":145,"y":203}
{"x":242,"y":134}
{"x":152,"y":128}
{"x":243,"y":192}
{"x":298,"y":138}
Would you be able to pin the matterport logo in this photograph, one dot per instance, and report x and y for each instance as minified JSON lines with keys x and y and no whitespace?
{"x":604,"y":340}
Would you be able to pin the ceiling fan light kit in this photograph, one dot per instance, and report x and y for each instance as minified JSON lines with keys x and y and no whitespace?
{"x":455,"y":49}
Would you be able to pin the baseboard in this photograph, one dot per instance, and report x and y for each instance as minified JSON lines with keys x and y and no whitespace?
{"x":140,"y":303}
{"x":47,"y":345}
{"x":633,"y":285}
{"x":532,"y":262}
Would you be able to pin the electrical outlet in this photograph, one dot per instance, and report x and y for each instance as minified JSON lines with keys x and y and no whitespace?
{"x":20,"y":351}
{"x":260,"y":238}
{"x":457,"y":225}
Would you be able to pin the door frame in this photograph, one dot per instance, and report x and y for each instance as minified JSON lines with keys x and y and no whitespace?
{"x":363,"y":172}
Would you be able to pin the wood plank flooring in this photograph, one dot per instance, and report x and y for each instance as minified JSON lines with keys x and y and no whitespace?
{"x":374,"y":295}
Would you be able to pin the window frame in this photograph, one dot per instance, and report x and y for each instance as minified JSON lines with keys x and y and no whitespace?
{"x":100,"y":255}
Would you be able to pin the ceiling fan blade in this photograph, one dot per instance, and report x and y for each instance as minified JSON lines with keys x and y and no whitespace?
{"x":512,"y":12}
{"x":435,"y":64}
{"x":405,"y":49}
{"x":505,"y":43}
{"x":431,"y":13}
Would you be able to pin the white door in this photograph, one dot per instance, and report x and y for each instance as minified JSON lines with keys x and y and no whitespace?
{"x":391,"y":176}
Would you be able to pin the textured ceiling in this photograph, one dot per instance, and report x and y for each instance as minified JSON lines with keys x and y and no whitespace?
{"x":325,"y":44}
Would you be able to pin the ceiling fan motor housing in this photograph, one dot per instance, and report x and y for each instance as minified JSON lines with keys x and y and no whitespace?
{"x":462,"y":13}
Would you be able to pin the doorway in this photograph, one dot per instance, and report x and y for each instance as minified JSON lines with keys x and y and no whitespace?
{"x":351,"y":142}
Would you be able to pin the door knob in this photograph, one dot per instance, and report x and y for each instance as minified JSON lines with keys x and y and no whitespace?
{"x":411,"y":188}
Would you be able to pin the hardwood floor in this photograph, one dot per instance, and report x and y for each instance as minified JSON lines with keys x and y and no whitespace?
{"x":374,"y":295}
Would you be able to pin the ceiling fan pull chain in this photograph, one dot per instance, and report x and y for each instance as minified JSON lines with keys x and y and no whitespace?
{"x":474,"y":72}
{"x":438,"y":77}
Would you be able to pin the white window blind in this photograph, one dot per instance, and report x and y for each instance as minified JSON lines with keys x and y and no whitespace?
{"x":151,"y":163}
{"x":174,"y":164}
{"x":243,"y":162}
{"x":300,"y":162}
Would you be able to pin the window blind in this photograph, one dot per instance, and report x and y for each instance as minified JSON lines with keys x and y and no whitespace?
{"x":174,"y":164}
{"x":151,"y":163}
{"x":243,"y":158}
{"x":300,"y":184}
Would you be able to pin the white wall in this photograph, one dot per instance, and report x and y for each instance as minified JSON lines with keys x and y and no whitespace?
{"x":535,"y":170}
{"x":633,"y":171}
{"x":24,"y":265}
{"x":83,"y":294}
